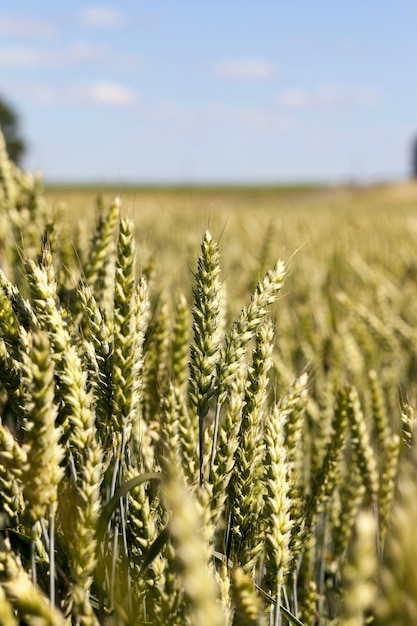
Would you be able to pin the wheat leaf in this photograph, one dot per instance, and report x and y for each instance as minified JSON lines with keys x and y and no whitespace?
{"x":111,"y":505}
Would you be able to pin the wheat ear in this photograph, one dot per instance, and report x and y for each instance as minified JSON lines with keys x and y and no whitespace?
{"x":192,"y":557}
{"x":244,"y":328}
{"x":102,"y":255}
{"x":204,"y":351}
{"x":241,"y":332}
{"x":359,"y":573}
{"x":43,"y":471}
{"x":245,"y":489}
{"x":387,"y":485}
{"x":180,"y":344}
{"x":249,"y":610}
{"x":277,"y":508}
{"x":362,"y":446}
{"x":124,"y":365}
{"x":31,"y":604}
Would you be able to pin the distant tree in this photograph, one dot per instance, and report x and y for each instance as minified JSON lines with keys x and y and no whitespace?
{"x":9,"y":123}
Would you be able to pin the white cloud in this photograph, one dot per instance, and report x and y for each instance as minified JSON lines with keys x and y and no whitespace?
{"x":35,"y":57}
{"x":104,"y":93}
{"x":25,"y":27}
{"x":175,"y":113}
{"x":101,"y":16}
{"x":330,"y":97}
{"x":21,"y":57}
{"x":250,"y":68}
{"x":29,"y":57}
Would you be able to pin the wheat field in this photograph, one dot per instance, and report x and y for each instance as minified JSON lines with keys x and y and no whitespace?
{"x":206,"y":405}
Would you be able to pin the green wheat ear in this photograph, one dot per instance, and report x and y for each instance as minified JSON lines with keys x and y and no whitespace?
{"x":20,"y":306}
{"x":383,"y":430}
{"x":249,"y":610}
{"x":408,"y":422}
{"x":244,"y":328}
{"x":124,"y":364}
{"x":102,"y":255}
{"x":204,"y":351}
{"x":156,"y":370}
{"x":324,"y":480}
{"x":10,"y":373}
{"x":98,"y":348}
{"x":359,"y":573}
{"x":222,"y":468}
{"x":13,"y":461}
{"x":362,"y":446}
{"x":246,"y":486}
{"x":396,"y":602}
{"x":30,"y":603}
{"x":76,"y":414}
{"x":387,"y":486}
{"x":180,"y":344}
{"x":192,"y":557}
{"x":351,"y":493}
{"x":206,"y":317}
{"x":43,"y":471}
{"x":277,"y":507}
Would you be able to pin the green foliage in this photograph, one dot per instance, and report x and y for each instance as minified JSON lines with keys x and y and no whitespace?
{"x":9,"y":125}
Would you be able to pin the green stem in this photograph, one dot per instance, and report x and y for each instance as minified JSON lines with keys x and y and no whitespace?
{"x":277,"y":607}
{"x":114,"y":560}
{"x":33,"y":556}
{"x":51,"y":557}
{"x":215,"y":433}
{"x":71,"y":462}
{"x":114,"y":475}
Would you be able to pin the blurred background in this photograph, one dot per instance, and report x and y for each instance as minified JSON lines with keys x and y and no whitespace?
{"x":190,"y":92}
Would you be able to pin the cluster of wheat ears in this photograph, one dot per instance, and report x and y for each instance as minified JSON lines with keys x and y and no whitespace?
{"x":160,"y":465}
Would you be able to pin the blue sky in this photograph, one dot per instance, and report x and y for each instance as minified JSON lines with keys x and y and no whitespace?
{"x":213,"y":91}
